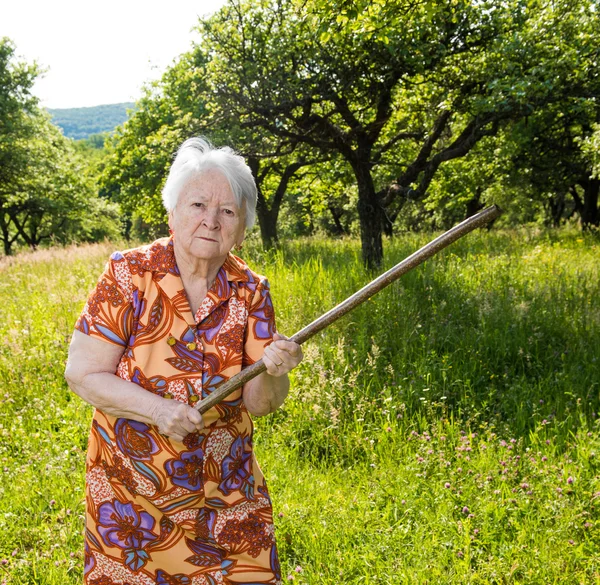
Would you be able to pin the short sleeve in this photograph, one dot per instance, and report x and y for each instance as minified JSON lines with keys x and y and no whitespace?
{"x":261,"y":324}
{"x":108,"y":313}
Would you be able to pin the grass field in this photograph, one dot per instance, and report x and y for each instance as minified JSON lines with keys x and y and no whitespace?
{"x":444,"y":432}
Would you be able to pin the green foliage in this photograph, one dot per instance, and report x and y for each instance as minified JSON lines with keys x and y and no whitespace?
{"x":392,"y":115}
{"x":46,"y":190}
{"x":140,"y":152}
{"x":590,"y":147}
{"x":445,"y":432}
{"x":84,"y":123}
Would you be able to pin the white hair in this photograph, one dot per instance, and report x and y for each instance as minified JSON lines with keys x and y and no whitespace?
{"x":197,"y":155}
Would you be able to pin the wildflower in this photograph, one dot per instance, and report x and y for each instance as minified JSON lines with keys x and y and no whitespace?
{"x":403,"y":502}
{"x":447,"y":485}
{"x":52,"y":503}
{"x":460,"y":554}
{"x":389,"y":429}
{"x":544,"y":458}
{"x":559,"y":490}
{"x":4,"y":562}
{"x":465,"y":510}
{"x":280,"y":514}
{"x":571,"y":542}
{"x":570,"y":480}
{"x":298,"y":569}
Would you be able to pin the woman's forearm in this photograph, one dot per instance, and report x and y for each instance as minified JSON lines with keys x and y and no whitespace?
{"x":265,"y":393}
{"x":91,"y":374}
{"x":115,"y":396}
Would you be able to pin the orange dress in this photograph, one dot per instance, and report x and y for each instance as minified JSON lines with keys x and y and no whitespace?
{"x":159,"y":511}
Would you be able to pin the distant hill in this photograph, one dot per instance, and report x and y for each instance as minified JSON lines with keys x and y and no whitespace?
{"x":81,"y":123}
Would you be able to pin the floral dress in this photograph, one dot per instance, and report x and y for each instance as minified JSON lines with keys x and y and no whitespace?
{"x":159,"y":511}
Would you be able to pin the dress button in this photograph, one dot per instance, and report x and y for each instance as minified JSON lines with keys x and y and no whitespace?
{"x":194,"y":399}
{"x":171,"y":340}
{"x":167,"y":395}
{"x":191,"y":346}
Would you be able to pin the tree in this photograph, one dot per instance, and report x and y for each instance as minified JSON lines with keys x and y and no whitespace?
{"x":16,"y":103}
{"x":397,"y":88}
{"x":45,"y":194}
{"x":176,"y":107}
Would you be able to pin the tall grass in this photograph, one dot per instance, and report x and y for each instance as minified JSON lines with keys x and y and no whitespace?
{"x":444,"y":432}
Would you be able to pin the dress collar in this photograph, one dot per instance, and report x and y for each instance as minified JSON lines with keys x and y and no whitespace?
{"x":233,"y":273}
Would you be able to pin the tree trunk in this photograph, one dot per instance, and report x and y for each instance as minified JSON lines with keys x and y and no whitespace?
{"x":268,"y":216}
{"x":267,"y":221}
{"x":371,"y":216}
{"x":6,"y":239}
{"x":336,"y":215}
{"x":474,"y":204}
{"x":589,"y":213}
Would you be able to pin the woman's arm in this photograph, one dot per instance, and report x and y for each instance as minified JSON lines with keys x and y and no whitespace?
{"x":90,"y":373}
{"x":266,"y":393}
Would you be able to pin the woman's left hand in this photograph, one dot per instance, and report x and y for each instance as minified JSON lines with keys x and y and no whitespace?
{"x":281,"y":355}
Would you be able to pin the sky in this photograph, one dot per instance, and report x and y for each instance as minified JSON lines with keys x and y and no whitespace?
{"x":99,"y":53}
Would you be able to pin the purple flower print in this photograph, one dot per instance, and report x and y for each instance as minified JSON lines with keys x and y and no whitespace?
{"x":187,"y":470}
{"x":89,"y":560}
{"x":121,"y":525}
{"x":236,"y":468}
{"x":163,"y":578}
{"x":204,"y":526}
{"x":134,"y":440}
{"x":204,"y":555}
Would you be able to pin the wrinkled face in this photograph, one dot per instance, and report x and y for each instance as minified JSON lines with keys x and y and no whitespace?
{"x":206,"y":222}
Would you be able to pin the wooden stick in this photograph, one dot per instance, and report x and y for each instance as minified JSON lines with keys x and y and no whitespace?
{"x":418,"y":257}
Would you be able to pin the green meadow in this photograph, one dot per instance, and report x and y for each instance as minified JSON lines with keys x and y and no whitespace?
{"x":445,"y":432}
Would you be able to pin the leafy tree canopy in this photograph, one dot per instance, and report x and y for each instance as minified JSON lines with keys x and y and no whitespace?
{"x":45,"y":194}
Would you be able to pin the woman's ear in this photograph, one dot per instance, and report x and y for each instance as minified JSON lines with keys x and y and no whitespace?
{"x":240,"y":241}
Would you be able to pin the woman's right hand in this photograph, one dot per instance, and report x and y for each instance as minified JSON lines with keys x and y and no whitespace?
{"x":176,"y":420}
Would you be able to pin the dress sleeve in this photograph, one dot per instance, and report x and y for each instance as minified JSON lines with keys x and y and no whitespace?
{"x":261,"y":324}
{"x":108,"y":313}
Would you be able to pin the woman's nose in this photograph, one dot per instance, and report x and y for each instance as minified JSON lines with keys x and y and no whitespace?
{"x":211,"y":219}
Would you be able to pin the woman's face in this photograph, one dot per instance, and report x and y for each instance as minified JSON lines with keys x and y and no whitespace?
{"x":206,"y":222}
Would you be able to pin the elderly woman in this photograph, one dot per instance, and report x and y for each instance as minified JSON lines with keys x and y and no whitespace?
{"x":173,"y":497}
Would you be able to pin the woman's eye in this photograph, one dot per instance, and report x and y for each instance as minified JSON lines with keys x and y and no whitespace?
{"x":228,"y":212}
{"x":198,"y":204}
